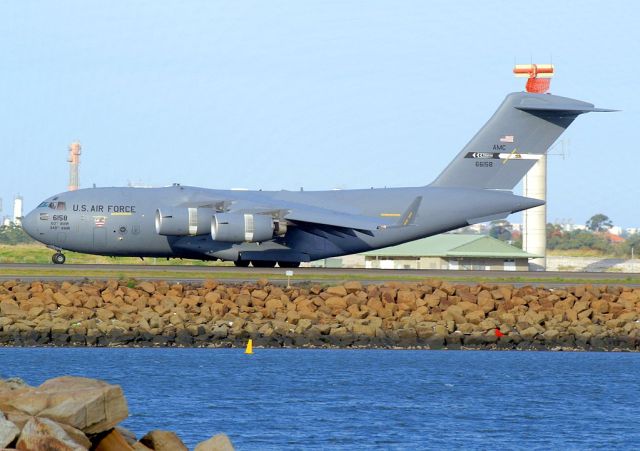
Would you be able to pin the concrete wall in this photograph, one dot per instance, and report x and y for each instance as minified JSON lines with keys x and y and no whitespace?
{"x":493,"y":264}
{"x":592,"y":264}
{"x":554,"y":263}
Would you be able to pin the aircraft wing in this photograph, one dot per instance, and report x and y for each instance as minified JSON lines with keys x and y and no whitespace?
{"x":295,"y":212}
{"x":358,"y":222}
{"x":312,"y":215}
{"x":334,"y":218}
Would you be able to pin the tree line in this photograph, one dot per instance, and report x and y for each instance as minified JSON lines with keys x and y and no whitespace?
{"x":594,"y":237}
{"x":557,"y":239}
{"x":12,"y":234}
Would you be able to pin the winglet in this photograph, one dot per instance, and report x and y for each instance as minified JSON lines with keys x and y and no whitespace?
{"x":409,"y":216}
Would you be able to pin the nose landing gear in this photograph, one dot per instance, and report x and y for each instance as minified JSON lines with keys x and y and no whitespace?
{"x":58,"y":258}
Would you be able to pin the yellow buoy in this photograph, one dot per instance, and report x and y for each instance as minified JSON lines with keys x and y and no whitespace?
{"x":249,"y":348}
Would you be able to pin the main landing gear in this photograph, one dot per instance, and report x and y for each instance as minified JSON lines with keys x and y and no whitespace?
{"x":265,"y":264}
{"x":58,"y":258}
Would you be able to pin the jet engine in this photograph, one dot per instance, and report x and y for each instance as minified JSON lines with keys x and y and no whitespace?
{"x":177,"y":221}
{"x":239,"y":227}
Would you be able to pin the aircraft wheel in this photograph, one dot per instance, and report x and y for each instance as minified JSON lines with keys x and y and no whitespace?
{"x":289,"y":264}
{"x":58,"y":258}
{"x":241,"y":263}
{"x":263,"y":264}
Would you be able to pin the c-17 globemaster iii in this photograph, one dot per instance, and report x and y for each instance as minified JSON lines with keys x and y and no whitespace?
{"x":288,"y":227}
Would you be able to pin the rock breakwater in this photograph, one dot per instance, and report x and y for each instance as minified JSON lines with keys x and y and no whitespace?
{"x":433,"y":314}
{"x":78,"y":414}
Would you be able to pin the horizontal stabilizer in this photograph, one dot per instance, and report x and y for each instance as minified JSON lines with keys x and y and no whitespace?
{"x":557,"y":104}
{"x":567,"y":110}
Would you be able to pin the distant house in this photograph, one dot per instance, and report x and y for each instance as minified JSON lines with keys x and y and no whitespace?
{"x":613,"y":238}
{"x":451,"y":251}
{"x":446,"y":251}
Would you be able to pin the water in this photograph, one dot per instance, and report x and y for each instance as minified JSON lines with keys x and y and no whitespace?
{"x":363,"y":399}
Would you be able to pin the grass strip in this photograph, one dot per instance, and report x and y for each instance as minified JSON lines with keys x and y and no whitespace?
{"x":251,"y":275}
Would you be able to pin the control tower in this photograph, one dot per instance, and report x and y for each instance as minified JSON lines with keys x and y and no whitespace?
{"x":534,"y":230}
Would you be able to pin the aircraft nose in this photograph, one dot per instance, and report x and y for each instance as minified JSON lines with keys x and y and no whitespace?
{"x":29,"y":224}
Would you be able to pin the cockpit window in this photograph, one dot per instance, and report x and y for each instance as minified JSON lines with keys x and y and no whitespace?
{"x":54,"y":205}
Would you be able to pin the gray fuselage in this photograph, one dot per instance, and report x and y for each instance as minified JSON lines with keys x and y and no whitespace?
{"x":121,"y":221}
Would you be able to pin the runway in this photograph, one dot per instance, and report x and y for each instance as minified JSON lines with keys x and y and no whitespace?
{"x":196,"y":273}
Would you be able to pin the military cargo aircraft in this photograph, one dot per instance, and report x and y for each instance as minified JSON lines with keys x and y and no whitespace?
{"x":265,"y":228}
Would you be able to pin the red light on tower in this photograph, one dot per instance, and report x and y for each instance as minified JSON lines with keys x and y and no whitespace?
{"x":539,"y":76}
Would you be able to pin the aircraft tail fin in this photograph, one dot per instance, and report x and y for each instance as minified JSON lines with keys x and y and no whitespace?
{"x":508,"y":145}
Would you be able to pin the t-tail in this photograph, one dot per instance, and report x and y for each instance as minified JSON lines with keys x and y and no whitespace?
{"x":517,"y":135}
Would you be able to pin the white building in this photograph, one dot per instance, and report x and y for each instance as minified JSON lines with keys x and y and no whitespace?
{"x":17,"y":210}
{"x":615,"y":230}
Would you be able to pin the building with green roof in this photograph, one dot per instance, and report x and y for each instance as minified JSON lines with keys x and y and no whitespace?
{"x":445,"y":251}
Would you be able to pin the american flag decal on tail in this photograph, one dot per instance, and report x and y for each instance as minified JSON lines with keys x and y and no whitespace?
{"x":507,"y":139}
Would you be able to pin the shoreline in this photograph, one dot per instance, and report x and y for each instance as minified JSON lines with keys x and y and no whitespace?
{"x":431,"y":314}
{"x":530,"y":348}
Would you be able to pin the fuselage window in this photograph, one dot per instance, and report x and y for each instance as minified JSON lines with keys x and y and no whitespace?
{"x":43,"y":204}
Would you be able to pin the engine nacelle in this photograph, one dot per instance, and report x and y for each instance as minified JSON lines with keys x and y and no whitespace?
{"x":181,"y":221}
{"x":241,"y":228}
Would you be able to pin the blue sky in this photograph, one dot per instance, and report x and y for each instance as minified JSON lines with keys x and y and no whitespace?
{"x":319,"y":94}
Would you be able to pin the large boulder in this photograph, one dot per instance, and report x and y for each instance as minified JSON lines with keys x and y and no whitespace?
{"x":10,"y":307}
{"x":529,"y":333}
{"x":112,"y":441}
{"x":44,"y":434}
{"x":89,"y":405}
{"x":163,"y":441}
{"x":336,"y":304}
{"x":338,"y":290}
{"x":351,"y":287}
{"x":147,"y":286}
{"x":76,"y":435}
{"x":364,"y":330}
{"x":486,"y":302}
{"x":218,"y":442}
{"x":406,"y":297}
{"x":8,"y":431}
{"x":23,"y":399}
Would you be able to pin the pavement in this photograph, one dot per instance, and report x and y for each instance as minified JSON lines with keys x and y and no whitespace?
{"x":190,"y":273}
